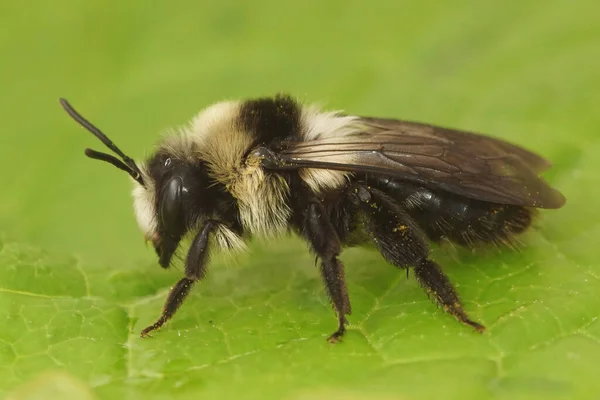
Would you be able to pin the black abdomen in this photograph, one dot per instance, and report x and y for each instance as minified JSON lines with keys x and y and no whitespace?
{"x":462,"y":220}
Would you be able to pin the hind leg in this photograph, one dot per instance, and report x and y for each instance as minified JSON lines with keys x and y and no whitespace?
{"x":402,"y":243}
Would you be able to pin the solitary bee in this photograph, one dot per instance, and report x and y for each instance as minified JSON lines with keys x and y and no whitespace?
{"x":265,"y":166}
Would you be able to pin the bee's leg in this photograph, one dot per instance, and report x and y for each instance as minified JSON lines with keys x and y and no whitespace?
{"x":402,"y":243}
{"x":325,"y":242}
{"x":195,"y":270}
{"x":436,"y":284}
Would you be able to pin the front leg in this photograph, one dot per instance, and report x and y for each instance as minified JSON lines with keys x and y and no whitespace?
{"x":195,"y":270}
{"x":325,"y":242}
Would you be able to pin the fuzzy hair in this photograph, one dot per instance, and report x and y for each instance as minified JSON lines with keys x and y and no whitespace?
{"x":144,"y":205}
{"x":317,"y":124}
{"x":222,"y":143}
{"x":217,"y":137}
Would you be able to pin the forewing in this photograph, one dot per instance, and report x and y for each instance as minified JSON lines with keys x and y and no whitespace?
{"x":463,"y":163}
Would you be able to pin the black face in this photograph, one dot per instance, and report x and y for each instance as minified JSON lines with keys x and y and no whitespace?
{"x":184,"y":195}
{"x":175,"y":183}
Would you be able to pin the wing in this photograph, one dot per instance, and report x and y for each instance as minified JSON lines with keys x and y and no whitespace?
{"x":463,"y":163}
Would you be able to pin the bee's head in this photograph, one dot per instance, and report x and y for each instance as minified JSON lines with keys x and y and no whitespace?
{"x":166,"y":200}
{"x":176,"y":199}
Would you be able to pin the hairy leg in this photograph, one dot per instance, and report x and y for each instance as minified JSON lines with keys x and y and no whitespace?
{"x":195,"y":270}
{"x":402,"y":243}
{"x":325,"y":242}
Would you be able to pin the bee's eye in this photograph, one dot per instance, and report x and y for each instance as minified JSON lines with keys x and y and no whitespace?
{"x":171,"y":207}
{"x":168,"y":162}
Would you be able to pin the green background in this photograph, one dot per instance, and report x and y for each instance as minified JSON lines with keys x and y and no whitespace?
{"x":77,"y":283}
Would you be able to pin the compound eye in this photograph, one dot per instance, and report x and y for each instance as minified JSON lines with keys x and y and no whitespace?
{"x":171,"y":207}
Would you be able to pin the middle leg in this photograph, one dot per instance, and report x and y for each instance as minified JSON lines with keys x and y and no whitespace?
{"x":325,"y":242}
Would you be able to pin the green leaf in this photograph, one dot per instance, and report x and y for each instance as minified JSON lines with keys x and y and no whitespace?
{"x":72,"y":313}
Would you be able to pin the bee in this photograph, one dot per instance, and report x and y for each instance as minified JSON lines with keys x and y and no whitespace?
{"x":267,"y":166}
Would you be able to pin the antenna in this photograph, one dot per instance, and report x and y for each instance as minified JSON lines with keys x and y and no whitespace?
{"x":127,"y":165}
